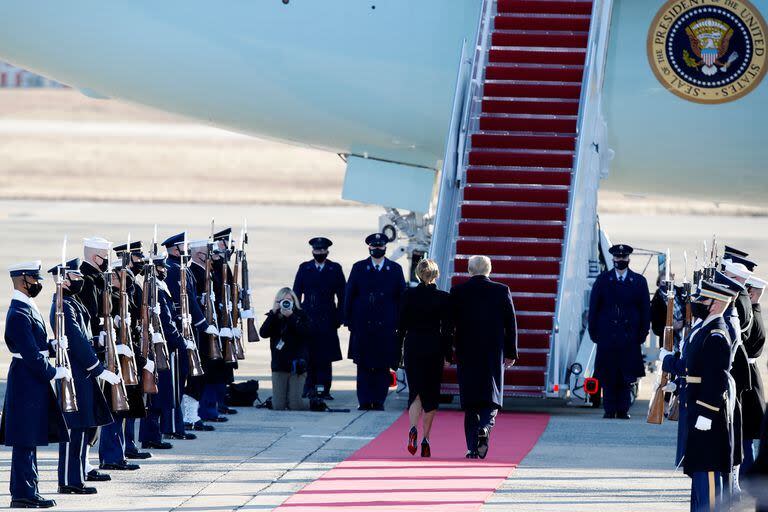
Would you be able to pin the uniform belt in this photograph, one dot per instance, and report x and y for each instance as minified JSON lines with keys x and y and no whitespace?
{"x":43,"y":353}
{"x":752,"y":360}
{"x":690,"y":379}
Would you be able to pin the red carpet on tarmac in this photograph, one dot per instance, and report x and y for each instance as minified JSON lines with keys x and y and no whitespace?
{"x":383,"y":476}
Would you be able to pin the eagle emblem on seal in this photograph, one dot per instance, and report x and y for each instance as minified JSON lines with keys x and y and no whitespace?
{"x":709,"y":40}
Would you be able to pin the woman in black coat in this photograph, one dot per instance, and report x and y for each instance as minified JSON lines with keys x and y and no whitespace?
{"x":286,"y":326}
{"x":424,"y":337}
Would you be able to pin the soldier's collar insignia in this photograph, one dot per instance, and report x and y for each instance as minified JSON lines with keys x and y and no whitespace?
{"x":708,"y":51}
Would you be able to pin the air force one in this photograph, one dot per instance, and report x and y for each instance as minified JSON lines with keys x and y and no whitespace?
{"x":490,"y":122}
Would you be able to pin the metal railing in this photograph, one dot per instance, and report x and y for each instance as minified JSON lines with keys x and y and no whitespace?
{"x":469,"y":84}
{"x":579,"y":241}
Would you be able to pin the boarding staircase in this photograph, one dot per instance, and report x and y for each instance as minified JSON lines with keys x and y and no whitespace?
{"x":513,"y":195}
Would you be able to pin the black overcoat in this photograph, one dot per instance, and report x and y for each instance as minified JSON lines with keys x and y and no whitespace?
{"x":486,"y":333}
{"x":619,"y":321}
{"x":753,"y":400}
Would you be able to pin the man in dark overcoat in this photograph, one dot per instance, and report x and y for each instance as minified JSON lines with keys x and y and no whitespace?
{"x":31,"y":413}
{"x":319,"y":285}
{"x":371,"y":308}
{"x":485,"y":344}
{"x":619,"y":321}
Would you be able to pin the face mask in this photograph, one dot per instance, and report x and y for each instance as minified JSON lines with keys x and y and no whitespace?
{"x":137,"y":269}
{"x":74,"y":287}
{"x":104,"y":263}
{"x":33,"y":289}
{"x":161,"y":274}
{"x":320,"y":258}
{"x":699,"y":310}
{"x":378,"y":252}
{"x":621,"y":265}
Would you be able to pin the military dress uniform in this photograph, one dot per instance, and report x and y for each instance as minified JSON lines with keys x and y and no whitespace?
{"x":709,"y":399}
{"x":190,"y":386}
{"x":92,"y":408}
{"x":319,"y":284}
{"x":371,"y":307}
{"x":753,"y":400}
{"x":619,"y":320}
{"x":31,"y":413}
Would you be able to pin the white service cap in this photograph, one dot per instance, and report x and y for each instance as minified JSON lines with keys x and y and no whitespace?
{"x":737,"y":269}
{"x":756,"y":282}
{"x":97,"y":243}
{"x":194,"y":244}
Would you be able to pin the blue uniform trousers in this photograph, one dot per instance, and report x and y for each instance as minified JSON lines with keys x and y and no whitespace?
{"x":112,"y":443}
{"x":72,"y":458}
{"x":682,"y":433}
{"x":318,"y":374}
{"x":707,"y":491}
{"x":617,"y":393}
{"x":130,"y":435}
{"x":172,"y":421}
{"x":372,"y":386}
{"x":749,"y":456}
{"x":149,"y":427}
{"x":474,"y":420}
{"x":24,"y":475}
{"x":212,"y":398}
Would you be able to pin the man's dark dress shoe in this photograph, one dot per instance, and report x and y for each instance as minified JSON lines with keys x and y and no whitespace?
{"x":623,"y":415}
{"x":377,"y":407}
{"x":609,"y":416}
{"x":95,"y":475}
{"x":364,"y":407}
{"x":471,"y":454}
{"x":120,"y":466}
{"x":36,"y":502}
{"x":154,"y":445}
{"x":227,"y":410}
{"x":326,"y":396}
{"x":199,"y":426}
{"x":138,"y":455}
{"x":482,"y":442}
{"x":181,"y":437}
{"x":219,"y":419}
{"x":72,"y":489}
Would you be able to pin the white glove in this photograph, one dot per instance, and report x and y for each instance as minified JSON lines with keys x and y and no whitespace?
{"x":102,"y":336}
{"x":237,"y":332}
{"x":117,"y":319}
{"x":112,"y":378}
{"x":212,"y":330}
{"x":213,"y":297}
{"x":663,"y":353}
{"x":245,"y":314}
{"x":114,"y":334}
{"x":62,"y":373}
{"x":703,"y":423}
{"x":229,"y":306}
{"x":150,"y":366}
{"x":156,"y":309}
{"x":225,"y":332}
{"x":190,"y":344}
{"x":157,"y":337}
{"x":64,"y":341}
{"x":124,"y":350}
{"x":670,"y":387}
{"x":127,"y":321}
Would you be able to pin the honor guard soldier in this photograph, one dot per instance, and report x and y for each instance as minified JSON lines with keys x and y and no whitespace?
{"x":708,"y":456}
{"x":619,"y":321}
{"x":319,"y":285}
{"x":134,"y":266}
{"x":371,"y":307}
{"x":190,"y":386}
{"x":216,"y":374}
{"x":95,"y":261}
{"x":92,"y":408}
{"x":753,"y":400}
{"x":221,"y":254}
{"x":31,"y":414}
{"x":112,"y":443}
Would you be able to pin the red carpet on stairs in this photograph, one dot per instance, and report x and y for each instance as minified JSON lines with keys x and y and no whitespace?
{"x":383,"y":476}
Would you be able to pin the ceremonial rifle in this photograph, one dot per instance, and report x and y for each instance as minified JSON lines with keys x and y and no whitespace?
{"x":162,"y":358}
{"x":149,"y":379}
{"x":193,"y":354}
{"x":119,"y":393}
{"x":127,"y":363}
{"x":66,"y":387}
{"x":214,"y":344}
{"x":656,"y":407}
{"x":251,"y":331}
{"x":227,"y":336}
{"x":673,"y":409}
{"x":235,"y":294}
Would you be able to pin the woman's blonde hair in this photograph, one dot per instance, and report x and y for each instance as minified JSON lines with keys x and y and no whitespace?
{"x":427,"y":271}
{"x":287,"y":291}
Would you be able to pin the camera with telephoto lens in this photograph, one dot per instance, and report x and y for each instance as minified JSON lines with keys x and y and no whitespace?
{"x":316,"y":402}
{"x":286,"y":304}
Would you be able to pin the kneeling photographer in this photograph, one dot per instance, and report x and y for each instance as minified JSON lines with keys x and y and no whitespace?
{"x":287,"y":328}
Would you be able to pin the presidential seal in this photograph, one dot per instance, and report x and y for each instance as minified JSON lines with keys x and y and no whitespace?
{"x":708,"y":51}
